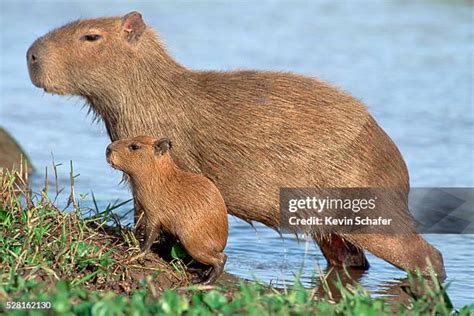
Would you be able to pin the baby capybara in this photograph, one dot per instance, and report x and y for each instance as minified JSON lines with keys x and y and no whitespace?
{"x":183,"y":204}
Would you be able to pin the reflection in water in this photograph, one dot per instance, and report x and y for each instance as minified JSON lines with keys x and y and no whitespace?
{"x":334,"y":278}
{"x":396,"y":291}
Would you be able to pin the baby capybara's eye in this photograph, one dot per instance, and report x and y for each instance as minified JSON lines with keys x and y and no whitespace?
{"x":90,"y":37}
{"x":134,"y":146}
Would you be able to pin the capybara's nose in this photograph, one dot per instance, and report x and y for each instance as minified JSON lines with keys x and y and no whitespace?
{"x":108,"y":151}
{"x":32,"y":55}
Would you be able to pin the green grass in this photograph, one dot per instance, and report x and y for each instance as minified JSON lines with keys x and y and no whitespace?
{"x":76,"y":261}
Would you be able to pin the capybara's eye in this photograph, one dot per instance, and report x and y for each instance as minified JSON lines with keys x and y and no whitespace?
{"x":90,"y":37}
{"x":134,"y":146}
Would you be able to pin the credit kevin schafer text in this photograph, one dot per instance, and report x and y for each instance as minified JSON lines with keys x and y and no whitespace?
{"x":345,"y":221}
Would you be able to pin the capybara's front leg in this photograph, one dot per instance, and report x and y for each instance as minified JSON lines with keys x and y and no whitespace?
{"x":151,"y":232}
{"x":138,"y":216}
{"x":217,"y":267}
{"x":405,"y":251}
{"x":339,"y":252}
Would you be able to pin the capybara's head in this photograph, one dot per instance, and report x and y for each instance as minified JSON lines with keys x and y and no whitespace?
{"x":134,"y":155}
{"x":81,"y":56}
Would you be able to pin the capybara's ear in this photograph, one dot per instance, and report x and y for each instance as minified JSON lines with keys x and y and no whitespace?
{"x":162,"y":146}
{"x":133,"y":26}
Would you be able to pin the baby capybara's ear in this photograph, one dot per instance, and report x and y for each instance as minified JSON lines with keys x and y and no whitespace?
{"x":133,"y":26}
{"x":162,"y":146}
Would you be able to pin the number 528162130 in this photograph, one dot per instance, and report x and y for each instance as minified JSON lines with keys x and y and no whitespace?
{"x":28,"y":305}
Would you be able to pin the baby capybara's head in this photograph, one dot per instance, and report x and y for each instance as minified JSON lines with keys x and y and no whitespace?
{"x":74,"y":58}
{"x":138,"y":154}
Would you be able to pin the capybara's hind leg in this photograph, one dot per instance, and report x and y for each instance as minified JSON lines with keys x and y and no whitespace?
{"x":217,"y":269}
{"x":405,"y":251}
{"x":339,"y":252}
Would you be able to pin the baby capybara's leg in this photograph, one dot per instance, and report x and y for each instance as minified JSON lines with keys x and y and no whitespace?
{"x":138,"y":216}
{"x":151,"y":232}
{"x":339,"y":252}
{"x":405,"y":251}
{"x":217,"y":268}
{"x":216,"y":260}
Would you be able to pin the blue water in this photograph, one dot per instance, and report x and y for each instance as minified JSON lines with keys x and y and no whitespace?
{"x":411,"y":63}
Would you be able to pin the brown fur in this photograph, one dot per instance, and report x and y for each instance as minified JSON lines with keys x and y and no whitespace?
{"x":251,"y":132}
{"x":183,"y":204}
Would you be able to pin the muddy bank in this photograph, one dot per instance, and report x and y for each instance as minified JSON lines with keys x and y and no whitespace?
{"x":156,"y":267}
{"x":11,"y":154}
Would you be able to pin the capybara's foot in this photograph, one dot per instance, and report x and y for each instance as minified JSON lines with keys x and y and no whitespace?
{"x":216,"y":270}
{"x":201,"y":275}
{"x":435,"y":260}
{"x":341,"y":253}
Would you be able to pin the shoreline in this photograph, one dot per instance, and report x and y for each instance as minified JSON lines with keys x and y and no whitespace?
{"x":52,"y":256}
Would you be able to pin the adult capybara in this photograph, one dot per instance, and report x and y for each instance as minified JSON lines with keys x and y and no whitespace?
{"x":183,"y":204}
{"x":251,"y":132}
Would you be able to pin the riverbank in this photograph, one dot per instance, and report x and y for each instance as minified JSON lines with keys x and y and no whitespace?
{"x":83,"y":261}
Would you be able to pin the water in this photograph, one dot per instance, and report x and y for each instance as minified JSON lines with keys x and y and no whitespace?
{"x":411,"y":63}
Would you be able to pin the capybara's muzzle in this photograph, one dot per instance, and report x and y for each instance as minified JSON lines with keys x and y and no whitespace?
{"x":108,"y":151}
{"x":34,"y":57}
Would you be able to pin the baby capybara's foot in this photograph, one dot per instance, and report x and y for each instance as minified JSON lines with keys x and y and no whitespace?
{"x":216,"y":269}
